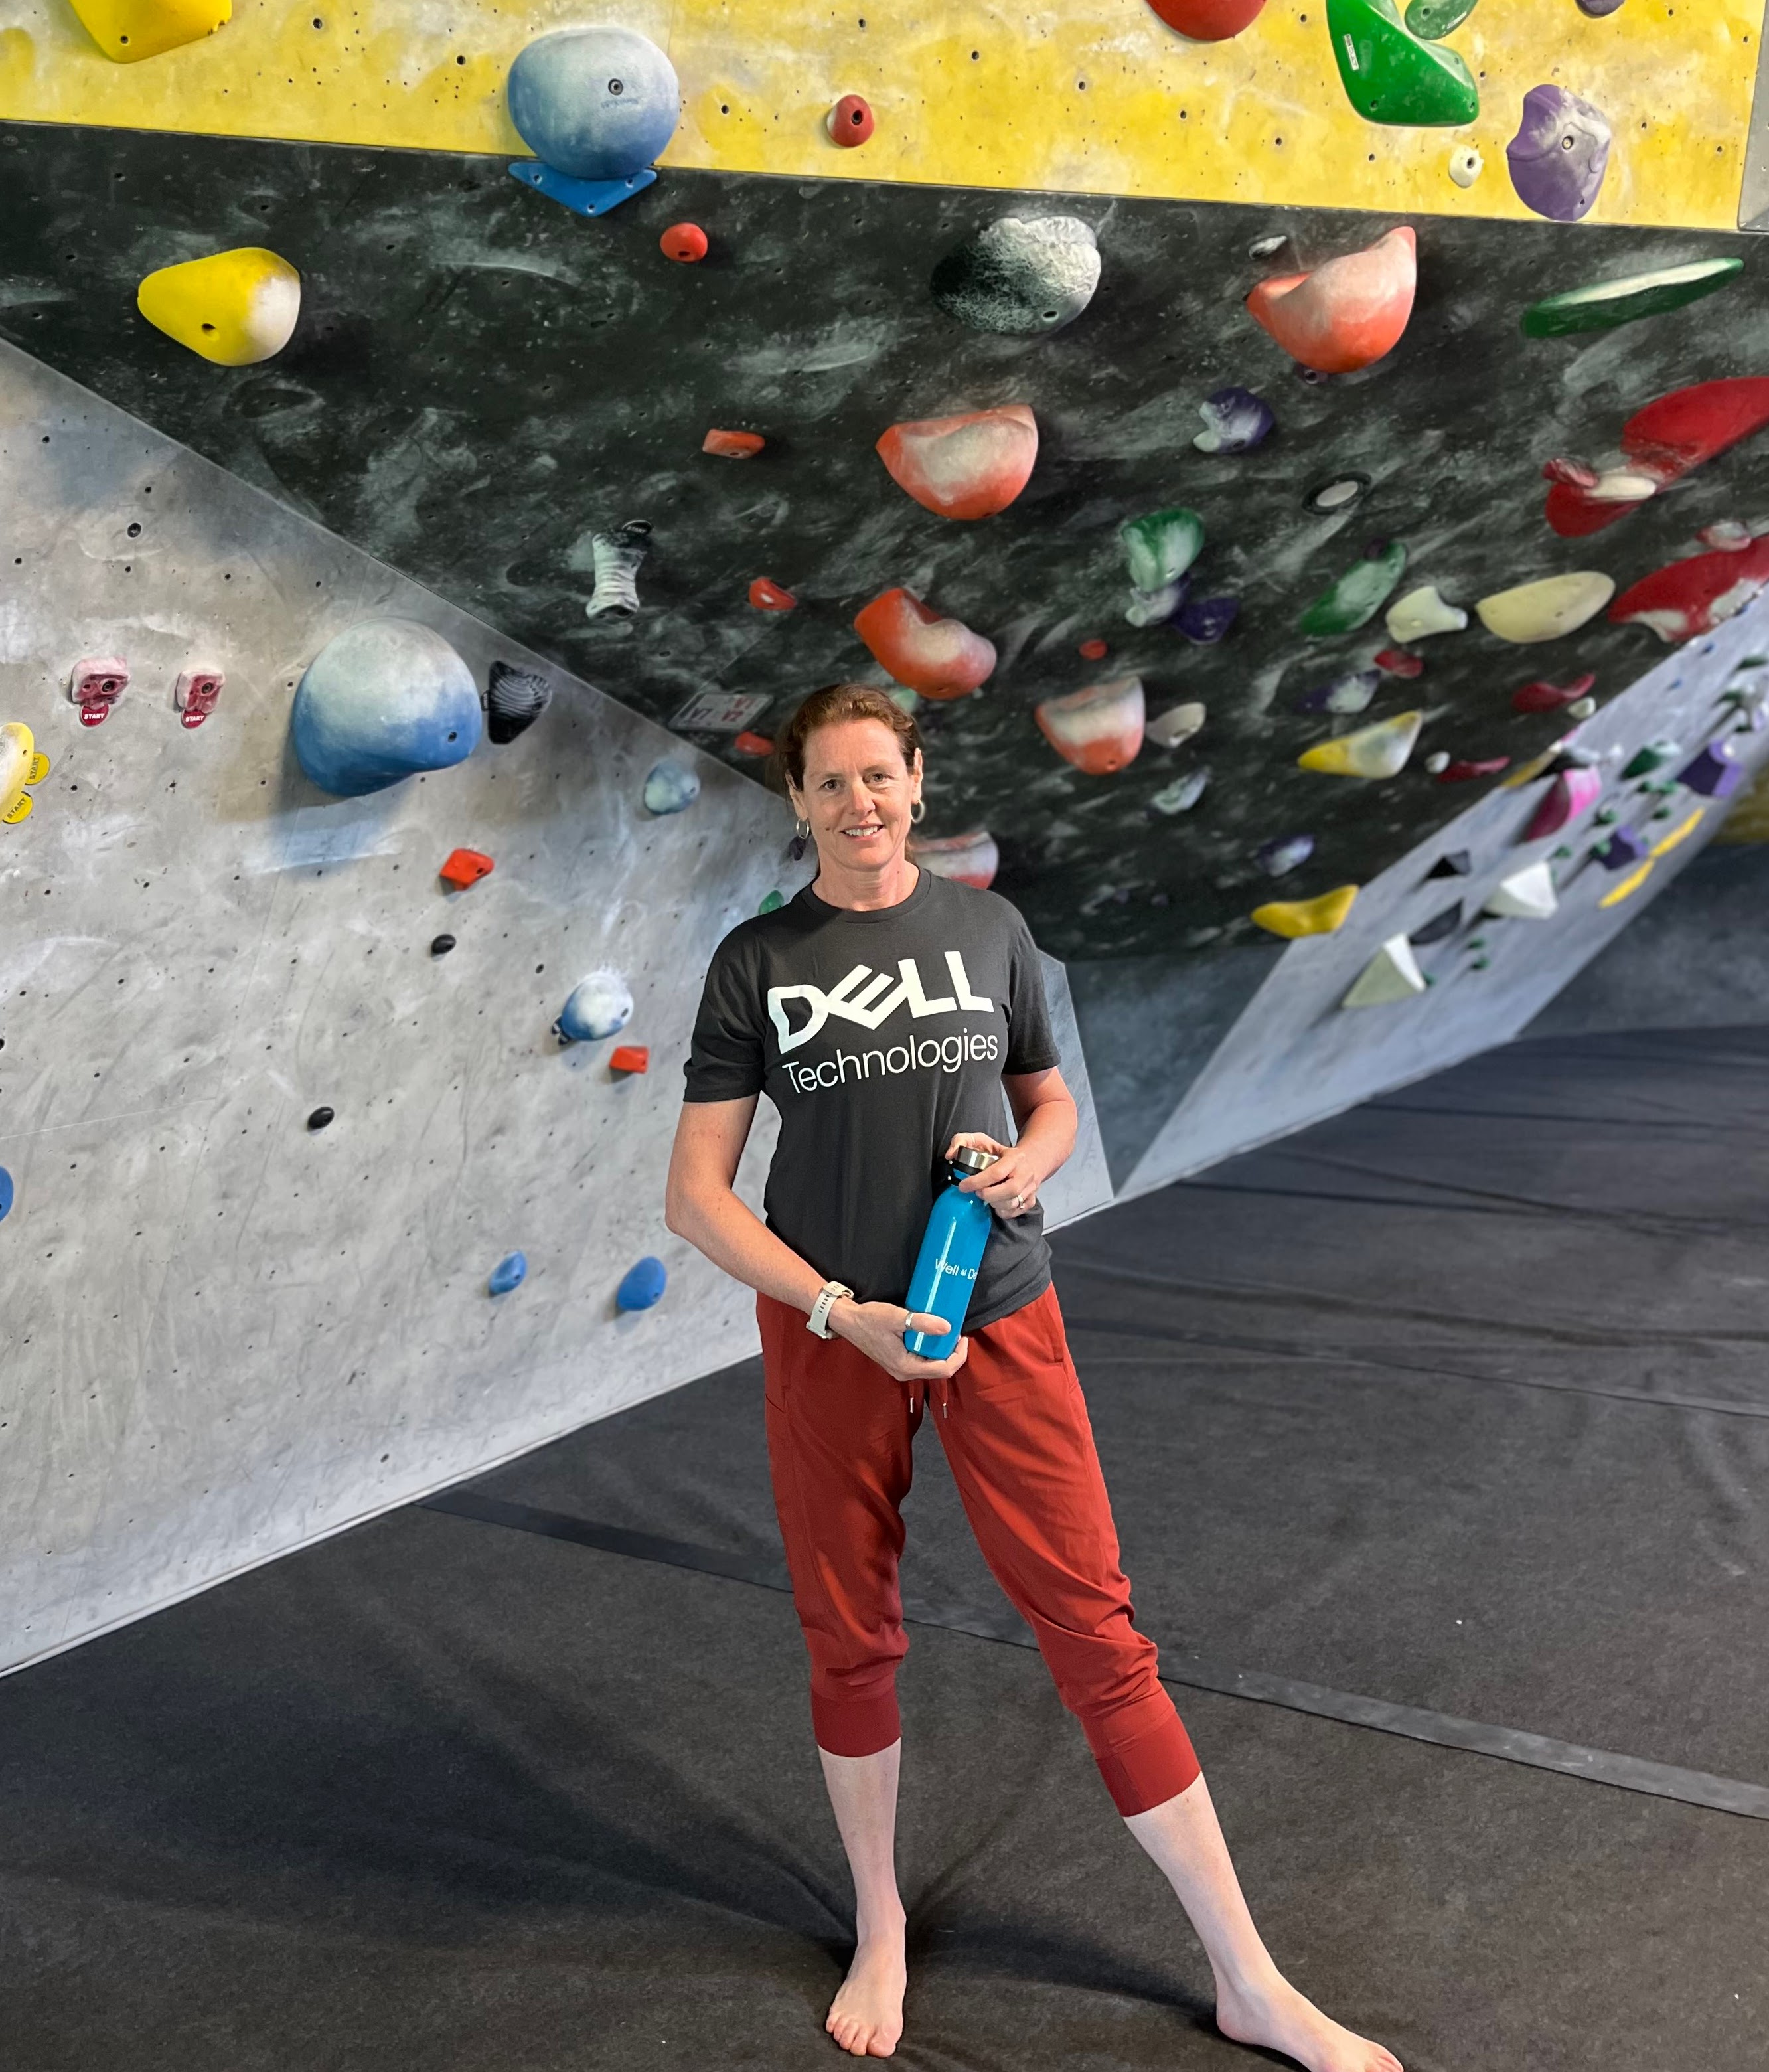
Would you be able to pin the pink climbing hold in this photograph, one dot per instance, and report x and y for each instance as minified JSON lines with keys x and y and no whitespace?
{"x":966,"y":466}
{"x":1463,"y":770}
{"x":1208,"y":21}
{"x":1572,"y":792}
{"x":1694,"y":596}
{"x":941,"y":658}
{"x":1660,"y":445}
{"x":767,"y":596}
{"x":683,"y":241}
{"x":1347,"y":314}
{"x":849,"y":122}
{"x":97,"y":682}
{"x":196,"y":695}
{"x":1098,"y":729}
{"x":1543,"y":697}
{"x":733,"y":445}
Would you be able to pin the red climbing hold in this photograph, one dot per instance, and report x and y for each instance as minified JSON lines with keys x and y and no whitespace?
{"x":1398,"y":662}
{"x":1095,"y":650}
{"x":1207,"y":21}
{"x":752,"y":744}
{"x":1565,"y":799}
{"x":629,"y":1058}
{"x":1462,"y":771}
{"x":1660,"y":446}
{"x":463,"y":867}
{"x":941,"y":658}
{"x":686,"y":241}
{"x":767,"y":596}
{"x":1694,"y":596}
{"x":1540,"y":697}
{"x":967,"y":466}
{"x":1346,"y":313}
{"x":733,"y":445}
{"x":850,"y":122}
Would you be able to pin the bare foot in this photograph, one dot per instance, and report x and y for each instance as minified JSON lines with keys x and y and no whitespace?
{"x":866,"y":2016}
{"x":1276,"y":2017}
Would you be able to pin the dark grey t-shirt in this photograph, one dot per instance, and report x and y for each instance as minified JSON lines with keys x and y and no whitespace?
{"x":877,"y":1035}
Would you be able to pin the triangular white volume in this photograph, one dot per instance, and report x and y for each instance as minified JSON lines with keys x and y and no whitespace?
{"x":1526,"y":895}
{"x":1392,"y":974}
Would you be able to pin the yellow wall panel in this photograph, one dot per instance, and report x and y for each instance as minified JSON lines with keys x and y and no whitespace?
{"x":1089,"y":94}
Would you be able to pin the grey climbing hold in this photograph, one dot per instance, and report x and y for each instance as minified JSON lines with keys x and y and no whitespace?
{"x":1020,"y":275}
{"x":514,"y":699}
{"x":1178,"y":723}
{"x":617,"y":557}
{"x":669,"y":788}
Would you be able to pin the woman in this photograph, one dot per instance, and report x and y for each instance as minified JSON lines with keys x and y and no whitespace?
{"x":889,"y":1015}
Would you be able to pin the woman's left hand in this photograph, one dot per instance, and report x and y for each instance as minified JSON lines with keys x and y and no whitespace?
{"x":1010,"y":1186}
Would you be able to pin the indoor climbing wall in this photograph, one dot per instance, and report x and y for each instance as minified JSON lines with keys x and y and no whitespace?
{"x":1296,"y":460}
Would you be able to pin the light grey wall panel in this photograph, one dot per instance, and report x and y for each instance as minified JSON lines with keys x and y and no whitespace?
{"x":1083,"y":1184}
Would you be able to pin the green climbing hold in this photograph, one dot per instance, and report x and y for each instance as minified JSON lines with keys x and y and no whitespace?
{"x":1432,"y":18}
{"x":1390,"y":76}
{"x":1161,"y":547}
{"x":1653,"y":756}
{"x":1605,"y":304}
{"x":1360,"y":593}
{"x":772,"y":902}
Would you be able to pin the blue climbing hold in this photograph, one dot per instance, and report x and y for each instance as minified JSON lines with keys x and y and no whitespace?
{"x":6,"y":1193}
{"x":643,"y":1285}
{"x":508,"y":1273}
{"x":598,"y":1006}
{"x":670,"y":789}
{"x":384,"y":699}
{"x":581,"y":197}
{"x":595,"y":104}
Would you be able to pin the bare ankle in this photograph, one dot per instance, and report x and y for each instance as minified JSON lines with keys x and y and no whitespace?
{"x":882,"y":1924}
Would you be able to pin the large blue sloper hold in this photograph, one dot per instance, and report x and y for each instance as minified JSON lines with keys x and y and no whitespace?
{"x":642,"y":1285}
{"x":594,"y":103}
{"x":384,"y":699}
{"x":6,"y":1193}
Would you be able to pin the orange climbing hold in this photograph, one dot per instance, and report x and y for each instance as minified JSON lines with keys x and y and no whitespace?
{"x":941,"y":658}
{"x":752,"y":744}
{"x":733,"y":445}
{"x":630,"y":1058}
{"x":463,"y":867}
{"x":967,"y":466}
{"x":767,"y":596}
{"x":1093,"y":650}
{"x":850,"y":122}
{"x":686,"y":241}
{"x":1208,"y":21}
{"x":1346,"y":313}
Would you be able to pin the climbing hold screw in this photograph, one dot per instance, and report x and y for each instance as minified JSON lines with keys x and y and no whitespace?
{"x":850,"y":122}
{"x":684,"y":241}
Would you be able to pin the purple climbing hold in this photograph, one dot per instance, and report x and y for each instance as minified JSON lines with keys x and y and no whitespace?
{"x":1235,"y":421}
{"x":1624,"y":848}
{"x":1716,"y":773}
{"x":1351,"y":692}
{"x":1560,"y":153}
{"x":1205,"y":620}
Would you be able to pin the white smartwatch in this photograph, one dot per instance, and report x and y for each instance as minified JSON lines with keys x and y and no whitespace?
{"x":827,"y":1296}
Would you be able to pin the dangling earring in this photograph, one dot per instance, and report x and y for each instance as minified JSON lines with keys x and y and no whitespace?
{"x":801,"y":839}
{"x":919,"y":811}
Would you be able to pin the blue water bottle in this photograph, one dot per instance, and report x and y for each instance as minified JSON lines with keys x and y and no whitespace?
{"x":945,"y":1269}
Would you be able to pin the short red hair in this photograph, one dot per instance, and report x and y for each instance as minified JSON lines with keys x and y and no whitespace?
{"x":829,"y":707}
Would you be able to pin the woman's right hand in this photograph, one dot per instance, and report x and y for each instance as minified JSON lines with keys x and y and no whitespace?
{"x":877,"y":1329}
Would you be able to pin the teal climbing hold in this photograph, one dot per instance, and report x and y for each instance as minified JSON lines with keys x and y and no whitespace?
{"x":1161,"y":547}
{"x":772,"y":902}
{"x":1360,"y":592}
{"x":1391,"y":77}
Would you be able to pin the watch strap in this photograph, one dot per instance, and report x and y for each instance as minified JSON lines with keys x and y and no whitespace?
{"x":827,"y":1296}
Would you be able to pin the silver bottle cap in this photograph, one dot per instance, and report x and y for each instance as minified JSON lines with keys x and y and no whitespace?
{"x":972,"y":1158}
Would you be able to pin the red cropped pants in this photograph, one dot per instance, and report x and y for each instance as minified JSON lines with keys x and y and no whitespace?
{"x":1016,"y":1431}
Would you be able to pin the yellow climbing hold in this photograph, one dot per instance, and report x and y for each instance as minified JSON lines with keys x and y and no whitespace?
{"x":129,"y":30}
{"x":1544,"y":611}
{"x":1305,"y":917}
{"x":235,"y":308}
{"x":1679,"y":833}
{"x":20,"y":765}
{"x":1380,"y":750}
{"x":1629,"y":885}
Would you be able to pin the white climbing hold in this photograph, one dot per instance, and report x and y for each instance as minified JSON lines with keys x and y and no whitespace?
{"x":1392,"y":974}
{"x":1582,"y":709}
{"x":1178,"y":723}
{"x":1182,"y":793}
{"x":1438,"y":760}
{"x":1466,"y":165}
{"x":1421,"y":613}
{"x":1526,"y":895}
{"x":1544,"y":611}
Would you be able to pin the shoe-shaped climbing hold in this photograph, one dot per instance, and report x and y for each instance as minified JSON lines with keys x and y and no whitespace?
{"x":1391,"y":77}
{"x":1346,"y":312}
{"x":1546,"y":609}
{"x":1019,"y":276}
{"x":21,"y":765}
{"x":617,"y":558}
{"x":849,"y":122}
{"x":1715,"y":771}
{"x":128,"y":31}
{"x":235,"y":308}
{"x":1696,"y":595}
{"x":1540,"y":697}
{"x":462,"y":867}
{"x":1560,"y":153}
{"x":508,"y":1274}
{"x":1098,"y":729}
{"x":670,"y":787}
{"x":1177,"y":724}
{"x":1528,"y":895}
{"x":941,"y":658}
{"x":1350,"y":692}
{"x":1208,"y":21}
{"x":1392,"y":974}
{"x":642,"y":1285}
{"x":1466,"y":165}
{"x":1380,"y":750}
{"x":1293,"y":918}
{"x":768,"y":596}
{"x":733,"y":446}
{"x":972,"y":859}
{"x":1604,"y":304}
{"x":1660,"y":444}
{"x":1160,"y":547}
{"x":1421,"y":613}
{"x":630,"y":1058}
{"x":597,"y":1007}
{"x":683,"y":242}
{"x":385,"y":699}
{"x":970,"y":466}
{"x":1356,"y":596}
{"x":1235,"y":422}
{"x":95,"y":684}
{"x":515,"y":698}
{"x":596,"y":103}
{"x":1573,"y":793}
